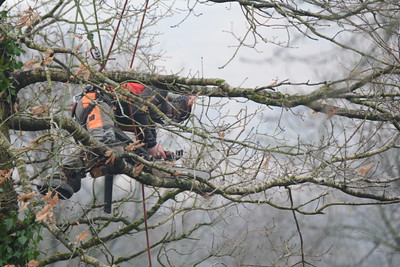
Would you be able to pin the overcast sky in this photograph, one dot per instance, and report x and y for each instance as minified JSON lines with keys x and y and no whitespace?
{"x":202,"y":44}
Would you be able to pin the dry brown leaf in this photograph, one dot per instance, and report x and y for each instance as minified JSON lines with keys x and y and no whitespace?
{"x":37,"y":65}
{"x":26,"y":196}
{"x":108,"y":153}
{"x":30,"y":62}
{"x":83,"y":72}
{"x":40,"y":110}
{"x":46,"y":208}
{"x":314,"y":112}
{"x":29,"y":19}
{"x":266,"y":162}
{"x":365,"y":169}
{"x":9,"y":174}
{"x":54,"y":200}
{"x":82,"y":236}
{"x":35,"y":17}
{"x":32,"y":263}
{"x":144,"y":108}
{"x":47,"y":211}
{"x":176,"y":173}
{"x":24,"y":206}
{"x":5,"y":175}
{"x":47,"y":197}
{"x":22,"y":22}
{"x":51,"y":217}
{"x":3,"y":172}
{"x":37,"y":142}
{"x":111,"y":158}
{"x":44,"y":213}
{"x":49,"y":52}
{"x":79,"y":36}
{"x":133,"y":146}
{"x":76,"y":48}
{"x":47,"y":60}
{"x":151,"y":98}
{"x":138,"y":169}
{"x":41,"y":216}
{"x":332,"y":113}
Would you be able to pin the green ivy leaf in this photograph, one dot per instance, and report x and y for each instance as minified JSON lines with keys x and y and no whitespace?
{"x":22,"y":240}
{"x":9,"y":223}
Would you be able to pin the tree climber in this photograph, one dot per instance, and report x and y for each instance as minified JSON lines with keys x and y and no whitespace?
{"x":175,"y":107}
{"x":106,"y":118}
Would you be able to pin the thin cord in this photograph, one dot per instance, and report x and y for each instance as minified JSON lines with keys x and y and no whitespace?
{"x":145,"y":225}
{"x":114,"y":37}
{"x":140,"y":31}
{"x":143,"y":196}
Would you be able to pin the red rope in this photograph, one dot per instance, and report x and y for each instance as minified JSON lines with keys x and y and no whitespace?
{"x":143,"y":195}
{"x":145,"y":225}
{"x":101,"y":68}
{"x":114,"y":37}
{"x":140,"y":31}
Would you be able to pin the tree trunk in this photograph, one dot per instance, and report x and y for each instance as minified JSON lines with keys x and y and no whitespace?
{"x":8,"y":196}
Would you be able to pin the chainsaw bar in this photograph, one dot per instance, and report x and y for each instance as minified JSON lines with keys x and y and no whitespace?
{"x":179,"y":172}
{"x":193,"y":173}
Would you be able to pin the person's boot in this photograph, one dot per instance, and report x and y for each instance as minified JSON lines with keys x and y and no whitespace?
{"x":73,"y":179}
{"x":62,"y":184}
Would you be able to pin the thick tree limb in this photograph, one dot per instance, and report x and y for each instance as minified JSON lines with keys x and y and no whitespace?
{"x":219,"y":88}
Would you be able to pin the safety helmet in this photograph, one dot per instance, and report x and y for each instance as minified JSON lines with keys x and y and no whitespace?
{"x":181,"y":107}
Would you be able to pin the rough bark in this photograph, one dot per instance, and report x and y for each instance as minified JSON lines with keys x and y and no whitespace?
{"x":8,"y":196}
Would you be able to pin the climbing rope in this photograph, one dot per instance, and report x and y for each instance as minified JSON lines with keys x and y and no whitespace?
{"x":143,"y":193}
{"x":139,"y":33}
{"x":131,"y":64}
{"x":114,"y":37}
{"x":145,"y":226}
